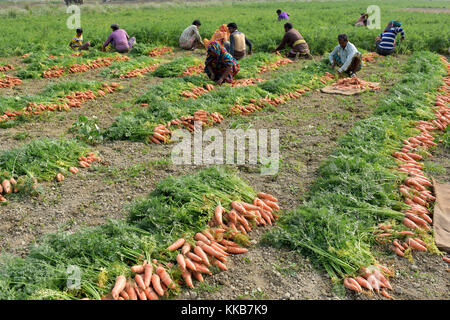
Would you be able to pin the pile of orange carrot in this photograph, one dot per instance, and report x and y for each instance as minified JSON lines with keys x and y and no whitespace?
{"x":97,"y":63}
{"x":197,"y":91}
{"x":6,"y":67}
{"x":9,"y":81}
{"x":162,"y":134}
{"x":245,"y":82}
{"x":354,"y":83}
{"x":156,"y":52}
{"x":193,"y":70}
{"x":277,"y":64}
{"x":210,"y":247}
{"x":53,"y":72}
{"x":370,"y":56}
{"x":138,"y":72}
{"x":373,"y":278}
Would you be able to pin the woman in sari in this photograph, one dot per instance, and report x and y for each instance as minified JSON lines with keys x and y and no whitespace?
{"x":220,"y":35}
{"x":220,"y":66}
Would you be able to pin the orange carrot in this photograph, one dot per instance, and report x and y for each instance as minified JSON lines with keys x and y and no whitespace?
{"x":165,"y":278}
{"x":181,"y":261}
{"x":202,"y":268}
{"x":141,"y":294}
{"x":220,"y":265}
{"x":151,"y":295}
{"x":414,"y":244}
{"x":6,"y":184}
{"x":350,"y":285}
{"x":124,"y":295}
{"x":140,"y":281}
{"x":194,"y":257}
{"x":190,"y":264}
{"x":177,"y":244}
{"x":231,"y":249}
{"x":156,"y":283}
{"x":187,"y":276}
{"x":409,"y":223}
{"x":374,"y":282}
{"x":198,"y":276}
{"x":267,"y":196}
{"x":137,"y":269}
{"x":119,"y":286}
{"x":186,"y":248}
{"x":209,"y":250}
{"x":364,"y":283}
{"x":384,"y":293}
{"x":131,"y":291}
{"x":148,"y":271}
{"x":201,"y":237}
{"x":218,"y":214}
{"x":208,"y":235}
{"x":199,"y":252}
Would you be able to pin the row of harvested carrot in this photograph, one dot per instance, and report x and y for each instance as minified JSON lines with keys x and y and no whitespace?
{"x":6,"y":67}
{"x":246,"y":82}
{"x":416,"y":195}
{"x":58,"y":71}
{"x":73,"y":100}
{"x":9,"y":81}
{"x":277,"y":64}
{"x":370,"y":57}
{"x":197,"y":91}
{"x":210,"y":247}
{"x":156,"y":52}
{"x":138,"y":72}
{"x":162,"y":134}
{"x":83,"y":162}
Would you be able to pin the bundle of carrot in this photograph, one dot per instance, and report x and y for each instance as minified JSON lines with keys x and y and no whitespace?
{"x":6,"y":67}
{"x":156,"y":52}
{"x":245,"y":82}
{"x":197,"y":91}
{"x":193,"y":70}
{"x":370,"y":56}
{"x":8,"y":186}
{"x":9,"y":81}
{"x":354,"y":83}
{"x":139,"y":72}
{"x":372,"y":278}
{"x":83,"y":162}
{"x":327,"y":77}
{"x":277,"y":64}
{"x":207,"y":248}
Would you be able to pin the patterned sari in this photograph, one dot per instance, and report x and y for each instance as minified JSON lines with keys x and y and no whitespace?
{"x":220,"y":62}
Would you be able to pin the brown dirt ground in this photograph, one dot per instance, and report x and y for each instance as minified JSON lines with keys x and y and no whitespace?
{"x":309,"y":128}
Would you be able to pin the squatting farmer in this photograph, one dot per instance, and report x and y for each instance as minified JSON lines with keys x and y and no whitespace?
{"x":220,"y":66}
{"x":346,"y":57}
{"x":190,"y":38}
{"x":293,"y":38}
{"x":282,"y":15}
{"x":77,"y":41}
{"x":385,"y":42}
{"x":118,"y":40}
{"x":238,"y":44}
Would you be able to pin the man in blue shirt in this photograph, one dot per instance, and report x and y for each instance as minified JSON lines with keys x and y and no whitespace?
{"x":385,"y":42}
{"x":346,"y":57}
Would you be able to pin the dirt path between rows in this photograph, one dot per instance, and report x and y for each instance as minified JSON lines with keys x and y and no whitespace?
{"x":309,"y":128}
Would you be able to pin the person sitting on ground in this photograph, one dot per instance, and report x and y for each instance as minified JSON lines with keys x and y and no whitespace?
{"x":282,"y":15}
{"x":293,"y":38}
{"x":362,"y":21}
{"x":190,"y":39}
{"x":220,"y":35}
{"x":77,"y":41}
{"x":220,"y":66}
{"x":385,"y":42}
{"x":238,"y":44}
{"x":118,"y":40}
{"x":346,"y":56}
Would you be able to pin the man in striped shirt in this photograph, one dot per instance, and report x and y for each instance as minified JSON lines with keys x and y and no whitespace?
{"x":385,"y":42}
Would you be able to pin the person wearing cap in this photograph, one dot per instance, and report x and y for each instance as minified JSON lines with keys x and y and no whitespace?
{"x":282,"y":15}
{"x":77,"y":41}
{"x":190,"y":38}
{"x":346,"y":56}
{"x":293,"y":38}
{"x":119,"y":40}
{"x":385,"y":42}
{"x":238,"y":44}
